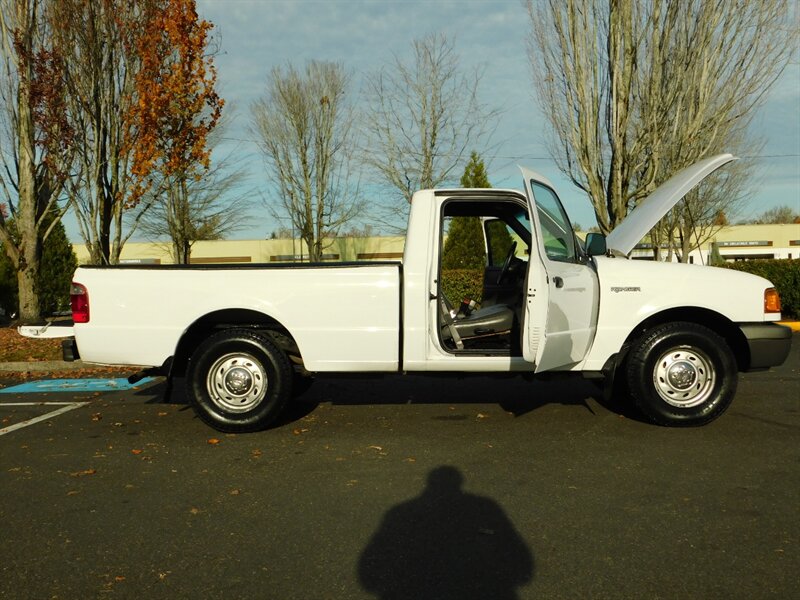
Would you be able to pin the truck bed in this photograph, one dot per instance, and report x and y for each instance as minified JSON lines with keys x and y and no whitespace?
{"x":343,"y":316}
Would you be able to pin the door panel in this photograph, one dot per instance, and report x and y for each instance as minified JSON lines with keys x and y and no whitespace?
{"x":571,"y":316}
{"x":561,"y":312}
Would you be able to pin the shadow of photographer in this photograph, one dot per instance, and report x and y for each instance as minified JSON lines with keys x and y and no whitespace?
{"x":446,"y":544}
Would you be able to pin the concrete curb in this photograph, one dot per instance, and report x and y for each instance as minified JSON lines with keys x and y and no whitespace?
{"x":793,"y":325}
{"x":43,"y":365}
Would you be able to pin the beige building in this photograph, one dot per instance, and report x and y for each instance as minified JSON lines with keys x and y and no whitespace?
{"x":736,"y":242}
{"x":743,"y":242}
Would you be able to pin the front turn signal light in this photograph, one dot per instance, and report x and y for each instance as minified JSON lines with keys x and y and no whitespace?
{"x":772,"y":301}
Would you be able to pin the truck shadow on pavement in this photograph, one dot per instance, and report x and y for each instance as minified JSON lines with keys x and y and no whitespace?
{"x":445,"y":544}
{"x":513,"y":394}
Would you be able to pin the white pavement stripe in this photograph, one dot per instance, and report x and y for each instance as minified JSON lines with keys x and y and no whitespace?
{"x":66,"y":407}
{"x":2,"y":404}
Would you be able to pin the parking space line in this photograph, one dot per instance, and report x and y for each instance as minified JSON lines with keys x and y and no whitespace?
{"x":65,"y":407}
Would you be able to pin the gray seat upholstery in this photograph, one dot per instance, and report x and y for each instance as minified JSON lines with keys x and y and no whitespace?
{"x":495,"y":319}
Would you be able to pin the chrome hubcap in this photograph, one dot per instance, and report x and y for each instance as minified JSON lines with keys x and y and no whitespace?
{"x":237,"y":382}
{"x":684,"y":377}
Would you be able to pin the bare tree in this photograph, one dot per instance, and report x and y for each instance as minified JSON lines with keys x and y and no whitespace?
{"x":305,"y":128}
{"x":423,"y":118}
{"x":778,"y":215}
{"x":704,"y":211}
{"x":35,"y":142}
{"x":188,"y":210}
{"x":97,"y":39}
{"x":636,"y":89}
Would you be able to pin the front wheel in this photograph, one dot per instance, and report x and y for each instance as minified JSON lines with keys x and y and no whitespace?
{"x":681,"y":374}
{"x":239,"y":380}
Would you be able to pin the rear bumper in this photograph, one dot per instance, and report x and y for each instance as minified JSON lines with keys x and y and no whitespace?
{"x":69,"y":350}
{"x":769,"y":344}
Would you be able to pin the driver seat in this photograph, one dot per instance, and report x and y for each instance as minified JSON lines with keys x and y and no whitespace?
{"x":492,"y":320}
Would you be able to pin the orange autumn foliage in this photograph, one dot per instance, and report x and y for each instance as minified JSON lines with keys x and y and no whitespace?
{"x":177,"y":103}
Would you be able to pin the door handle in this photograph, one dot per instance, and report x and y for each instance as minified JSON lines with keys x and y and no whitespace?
{"x":558,"y":281}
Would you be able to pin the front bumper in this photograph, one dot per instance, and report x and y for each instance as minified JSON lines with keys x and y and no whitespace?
{"x":769,"y":344}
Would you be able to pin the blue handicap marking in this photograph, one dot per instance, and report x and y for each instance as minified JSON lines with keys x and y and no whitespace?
{"x":74,"y":385}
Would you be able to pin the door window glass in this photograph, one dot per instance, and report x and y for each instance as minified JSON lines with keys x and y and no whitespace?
{"x":557,"y":234}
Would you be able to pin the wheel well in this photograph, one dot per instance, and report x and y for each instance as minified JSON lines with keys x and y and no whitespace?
{"x":718,"y":323}
{"x":226,"y":319}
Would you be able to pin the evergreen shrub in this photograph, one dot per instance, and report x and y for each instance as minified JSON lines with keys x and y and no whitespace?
{"x":784,"y":274}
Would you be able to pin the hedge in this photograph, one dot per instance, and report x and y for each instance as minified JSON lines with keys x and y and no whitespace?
{"x":458,"y":284}
{"x":784,"y":274}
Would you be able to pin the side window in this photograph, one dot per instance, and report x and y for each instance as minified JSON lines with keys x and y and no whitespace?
{"x":500,"y":236}
{"x":557,"y":234}
{"x":499,"y":241}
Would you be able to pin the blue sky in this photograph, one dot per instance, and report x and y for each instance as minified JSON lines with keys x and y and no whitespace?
{"x":256,"y":35}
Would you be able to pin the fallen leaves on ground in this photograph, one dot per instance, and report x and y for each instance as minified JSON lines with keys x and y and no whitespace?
{"x":17,"y":348}
{"x":85,"y":373}
{"x":14,"y":347}
{"x":83,"y":473}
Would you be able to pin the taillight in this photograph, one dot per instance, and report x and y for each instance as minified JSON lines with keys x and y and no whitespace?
{"x":79,"y":300}
{"x":772,"y":301}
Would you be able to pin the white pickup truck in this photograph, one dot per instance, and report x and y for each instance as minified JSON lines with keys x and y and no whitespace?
{"x":247,"y":337}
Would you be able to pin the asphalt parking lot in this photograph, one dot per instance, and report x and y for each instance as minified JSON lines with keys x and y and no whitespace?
{"x":402,"y":487}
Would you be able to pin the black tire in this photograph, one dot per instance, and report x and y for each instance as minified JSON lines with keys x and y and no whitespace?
{"x":239,"y":381}
{"x":681,"y":374}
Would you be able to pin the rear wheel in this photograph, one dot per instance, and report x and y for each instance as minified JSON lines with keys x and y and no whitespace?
{"x":681,"y":374}
{"x":239,"y":380}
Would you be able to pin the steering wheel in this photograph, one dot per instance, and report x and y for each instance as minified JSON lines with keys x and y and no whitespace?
{"x":507,"y":263}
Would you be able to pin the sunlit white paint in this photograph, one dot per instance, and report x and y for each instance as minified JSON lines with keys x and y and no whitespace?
{"x":347,"y":318}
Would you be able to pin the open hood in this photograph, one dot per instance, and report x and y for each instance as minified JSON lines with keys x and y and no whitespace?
{"x":642,"y":218}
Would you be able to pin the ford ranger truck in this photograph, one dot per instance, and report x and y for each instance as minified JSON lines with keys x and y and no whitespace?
{"x":672,"y":337}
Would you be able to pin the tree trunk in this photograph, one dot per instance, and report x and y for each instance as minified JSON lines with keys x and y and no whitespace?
{"x":28,"y":298}
{"x":26,"y":221}
{"x":187,"y":252}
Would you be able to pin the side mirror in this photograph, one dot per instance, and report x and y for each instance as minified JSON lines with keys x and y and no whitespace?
{"x":596,"y":244}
